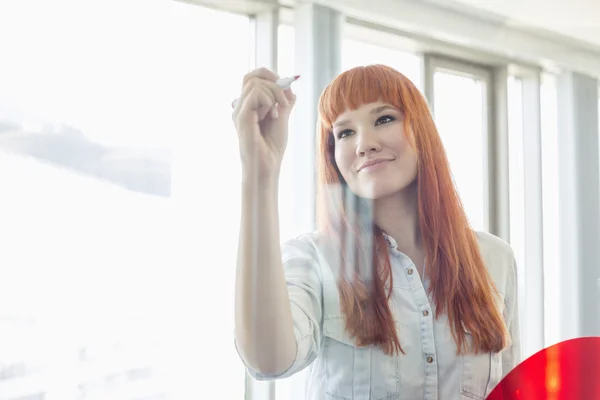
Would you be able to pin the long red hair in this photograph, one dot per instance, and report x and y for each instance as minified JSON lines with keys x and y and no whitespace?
{"x":460,"y":283}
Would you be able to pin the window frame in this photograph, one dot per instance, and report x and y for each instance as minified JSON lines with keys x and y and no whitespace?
{"x":433,"y":63}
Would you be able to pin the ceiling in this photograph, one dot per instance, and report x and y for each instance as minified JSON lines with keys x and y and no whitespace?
{"x":577,"y":19}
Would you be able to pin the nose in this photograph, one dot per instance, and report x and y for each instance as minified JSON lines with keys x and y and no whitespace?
{"x":367,"y":143}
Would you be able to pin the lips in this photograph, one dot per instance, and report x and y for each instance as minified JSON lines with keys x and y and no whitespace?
{"x":371,"y":164}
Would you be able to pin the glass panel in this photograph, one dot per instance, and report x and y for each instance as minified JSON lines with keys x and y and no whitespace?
{"x":462,"y":126}
{"x":549,"y":127}
{"x":111,"y":148}
{"x":353,"y":53}
{"x":291,"y":388}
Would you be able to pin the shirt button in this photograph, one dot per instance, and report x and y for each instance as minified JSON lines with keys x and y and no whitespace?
{"x":425,"y":313}
{"x":429,"y":359}
{"x":410,"y":271}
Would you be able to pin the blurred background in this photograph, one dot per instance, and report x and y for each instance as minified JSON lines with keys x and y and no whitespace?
{"x":120,"y":175}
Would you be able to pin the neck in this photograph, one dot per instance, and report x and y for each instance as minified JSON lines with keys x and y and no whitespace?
{"x":398,"y":216}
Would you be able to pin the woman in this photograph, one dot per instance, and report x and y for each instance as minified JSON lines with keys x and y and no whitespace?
{"x":394,"y":296}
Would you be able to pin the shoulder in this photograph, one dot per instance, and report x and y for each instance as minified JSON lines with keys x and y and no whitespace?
{"x":499,"y":258}
{"x":493,"y":246}
{"x":315,"y":249}
{"x":310,"y":244}
{"x":312,"y":239}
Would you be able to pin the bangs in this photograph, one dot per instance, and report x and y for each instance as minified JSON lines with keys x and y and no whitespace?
{"x":358,"y":86}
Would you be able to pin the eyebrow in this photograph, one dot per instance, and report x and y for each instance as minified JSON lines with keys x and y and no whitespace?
{"x":376,"y":110}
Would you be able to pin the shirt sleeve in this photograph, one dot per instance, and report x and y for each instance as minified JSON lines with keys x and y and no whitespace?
{"x":511,"y":356}
{"x":303,"y":278}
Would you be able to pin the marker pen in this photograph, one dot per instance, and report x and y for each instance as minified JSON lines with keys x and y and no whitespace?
{"x":283,"y":83}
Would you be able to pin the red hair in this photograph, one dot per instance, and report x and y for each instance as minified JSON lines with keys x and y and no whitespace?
{"x":460,"y":283}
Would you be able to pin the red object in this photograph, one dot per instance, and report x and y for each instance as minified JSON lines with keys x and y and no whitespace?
{"x":569,"y":370}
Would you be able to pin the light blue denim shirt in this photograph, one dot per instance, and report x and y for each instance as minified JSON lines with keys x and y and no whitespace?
{"x":430,"y":370}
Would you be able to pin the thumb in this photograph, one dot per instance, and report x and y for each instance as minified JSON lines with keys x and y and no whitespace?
{"x":291,"y":97}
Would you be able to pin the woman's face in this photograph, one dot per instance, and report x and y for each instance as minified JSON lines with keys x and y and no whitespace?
{"x":372,"y":151}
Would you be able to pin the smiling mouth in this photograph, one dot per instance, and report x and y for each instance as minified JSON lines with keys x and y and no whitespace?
{"x":375,"y":166}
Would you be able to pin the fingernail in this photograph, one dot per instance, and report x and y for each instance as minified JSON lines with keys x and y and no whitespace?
{"x":275,"y":113}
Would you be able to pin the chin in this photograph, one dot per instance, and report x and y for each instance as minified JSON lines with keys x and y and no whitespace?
{"x":383,"y":188}
{"x":379,"y":191}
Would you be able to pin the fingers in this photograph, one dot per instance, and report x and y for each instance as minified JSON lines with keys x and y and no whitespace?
{"x":262,"y":73}
{"x":289,"y":95}
{"x":278,"y":93}
{"x":261,"y":97}
{"x":258,"y":93}
{"x":254,"y":96}
{"x":256,"y":100}
{"x":268,"y":78}
{"x":257,"y":89}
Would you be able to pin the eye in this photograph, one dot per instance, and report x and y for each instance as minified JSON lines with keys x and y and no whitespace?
{"x":344,"y":133}
{"x":384,"y":119}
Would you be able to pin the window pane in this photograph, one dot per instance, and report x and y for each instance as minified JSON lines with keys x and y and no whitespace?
{"x":462,"y":127}
{"x":111,"y":148}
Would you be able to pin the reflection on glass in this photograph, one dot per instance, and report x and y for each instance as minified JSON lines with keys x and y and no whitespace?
{"x":462,"y":126}
{"x":111,"y":145}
